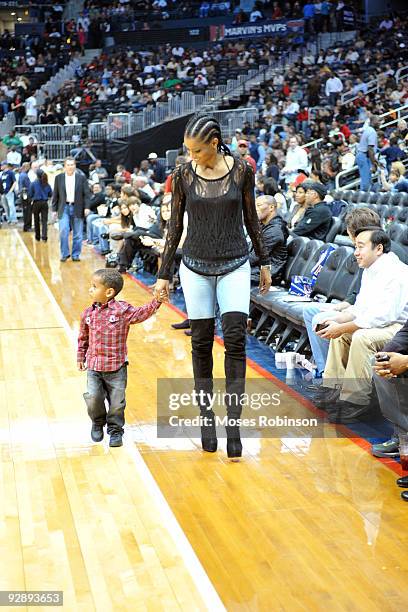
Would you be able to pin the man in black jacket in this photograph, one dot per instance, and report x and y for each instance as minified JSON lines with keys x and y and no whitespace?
{"x":70,"y":201}
{"x":317,"y":218}
{"x":98,"y":197}
{"x":275,"y":234}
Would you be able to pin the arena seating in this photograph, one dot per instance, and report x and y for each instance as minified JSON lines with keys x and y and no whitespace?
{"x":274,"y":315}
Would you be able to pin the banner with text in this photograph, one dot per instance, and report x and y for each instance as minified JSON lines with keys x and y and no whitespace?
{"x":282,"y":27}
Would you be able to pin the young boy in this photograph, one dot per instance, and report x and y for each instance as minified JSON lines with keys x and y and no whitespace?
{"x":102,"y":352}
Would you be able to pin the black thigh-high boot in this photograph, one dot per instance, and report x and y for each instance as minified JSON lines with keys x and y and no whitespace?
{"x":234,"y":325}
{"x":202,"y":338}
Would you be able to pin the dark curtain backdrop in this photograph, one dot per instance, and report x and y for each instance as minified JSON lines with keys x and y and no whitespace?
{"x":130,"y":151}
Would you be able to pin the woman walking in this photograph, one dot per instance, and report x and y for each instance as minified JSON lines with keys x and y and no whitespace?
{"x":39,"y":193}
{"x":217,"y":192}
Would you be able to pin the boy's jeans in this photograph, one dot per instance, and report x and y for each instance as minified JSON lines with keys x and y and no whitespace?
{"x":110,"y":386}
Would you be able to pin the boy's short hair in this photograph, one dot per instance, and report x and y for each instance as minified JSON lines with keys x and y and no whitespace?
{"x":111,"y":279}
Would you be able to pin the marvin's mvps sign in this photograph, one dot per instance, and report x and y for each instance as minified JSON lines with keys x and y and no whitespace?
{"x":277,"y":27}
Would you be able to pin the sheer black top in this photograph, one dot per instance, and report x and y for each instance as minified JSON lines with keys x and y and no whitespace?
{"x":215,"y":242}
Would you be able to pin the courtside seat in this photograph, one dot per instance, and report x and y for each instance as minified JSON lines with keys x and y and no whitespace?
{"x":396,"y":230}
{"x":404,"y":199}
{"x":402,"y":216}
{"x":295,"y":248}
{"x":325,"y":283}
{"x":300,"y":251}
{"x":395,"y":199}
{"x":347,"y":195}
{"x":299,"y":267}
{"x":346,"y":277}
{"x":403,"y":238}
{"x":341,"y":240}
{"x":392,"y":213}
{"x":280,"y":305}
{"x":363,"y":196}
{"x":335,"y":228}
{"x":373,"y":197}
{"x":384,"y":198}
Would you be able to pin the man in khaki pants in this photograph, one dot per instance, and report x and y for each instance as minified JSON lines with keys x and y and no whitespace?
{"x":361,"y":330}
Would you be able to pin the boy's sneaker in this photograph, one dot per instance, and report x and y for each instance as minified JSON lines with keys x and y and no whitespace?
{"x":116,"y":440}
{"x":390,"y":448}
{"x":97,"y":432}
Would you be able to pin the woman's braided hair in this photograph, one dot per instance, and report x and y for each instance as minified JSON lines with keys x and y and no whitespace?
{"x":205,"y":127}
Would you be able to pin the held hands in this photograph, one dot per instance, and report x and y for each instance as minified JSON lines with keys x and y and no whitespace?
{"x":161,"y":290}
{"x":265,"y":280}
{"x":397,"y":364}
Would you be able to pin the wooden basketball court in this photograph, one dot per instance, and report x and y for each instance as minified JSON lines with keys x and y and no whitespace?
{"x":158,"y":524}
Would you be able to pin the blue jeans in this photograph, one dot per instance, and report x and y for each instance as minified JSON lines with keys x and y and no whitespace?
{"x":112,"y":387}
{"x":11,"y":207}
{"x":364,"y":166}
{"x":312,"y":315}
{"x":201,"y":293}
{"x":103,"y":242}
{"x":89,"y":228}
{"x":64,"y":229}
{"x":94,"y":230}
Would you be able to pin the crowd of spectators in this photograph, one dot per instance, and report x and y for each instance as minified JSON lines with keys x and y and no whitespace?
{"x":295,"y":107}
{"x":129,"y":81}
{"x":279,"y":161}
{"x":105,"y":16}
{"x":319,"y":80}
{"x":26,"y":63}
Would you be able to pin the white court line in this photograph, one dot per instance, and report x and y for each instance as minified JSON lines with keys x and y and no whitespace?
{"x":198,"y":574}
{"x":58,"y":312}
